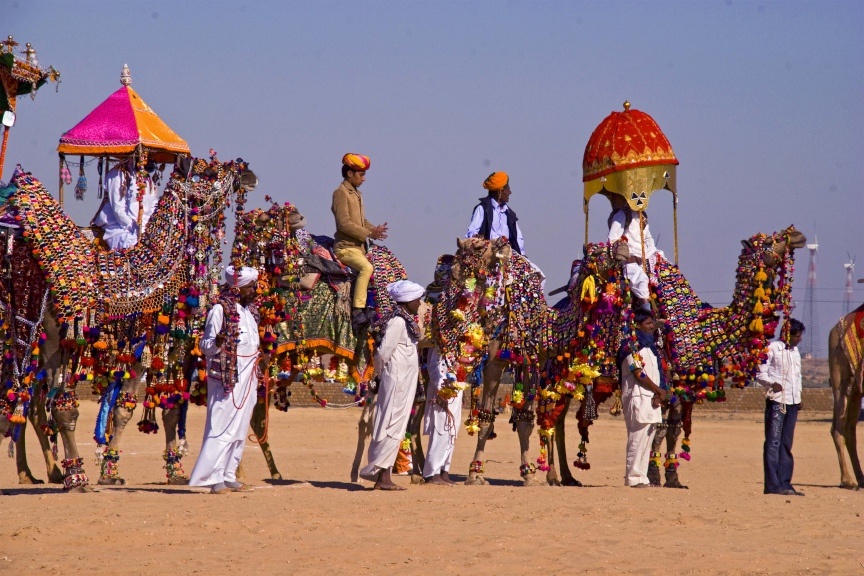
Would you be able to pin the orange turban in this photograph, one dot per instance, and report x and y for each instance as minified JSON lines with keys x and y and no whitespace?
{"x":356,"y":162}
{"x":496,"y":181}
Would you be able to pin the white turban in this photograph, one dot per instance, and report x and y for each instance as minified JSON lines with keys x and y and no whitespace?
{"x":405,"y":291}
{"x":242,"y":278}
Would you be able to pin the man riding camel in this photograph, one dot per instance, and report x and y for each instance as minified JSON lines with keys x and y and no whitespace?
{"x":492,"y":217}
{"x":353,"y":231}
{"x":118,"y":215}
{"x":623,"y":221}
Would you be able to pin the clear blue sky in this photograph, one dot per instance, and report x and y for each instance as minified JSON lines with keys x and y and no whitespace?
{"x":762,"y":102}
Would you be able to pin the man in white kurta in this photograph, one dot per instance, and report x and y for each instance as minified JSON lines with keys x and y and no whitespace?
{"x":641,"y":398}
{"x":397,"y":366}
{"x":228,"y":412}
{"x":618,"y":228}
{"x":440,"y":422}
{"x":118,"y":215}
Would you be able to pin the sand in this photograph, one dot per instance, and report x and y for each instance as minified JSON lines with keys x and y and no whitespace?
{"x":318,"y":522}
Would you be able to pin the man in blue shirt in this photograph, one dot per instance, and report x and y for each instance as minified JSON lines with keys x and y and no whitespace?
{"x":493,"y":218}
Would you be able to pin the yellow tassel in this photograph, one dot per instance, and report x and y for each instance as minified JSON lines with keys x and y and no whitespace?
{"x":756,"y":325}
{"x":589,"y":289}
{"x":761,"y":276}
{"x":757,"y":308}
{"x":759,"y":293}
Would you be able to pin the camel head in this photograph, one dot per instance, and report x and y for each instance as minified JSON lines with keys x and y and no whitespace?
{"x":474,"y":256}
{"x":773,"y":248}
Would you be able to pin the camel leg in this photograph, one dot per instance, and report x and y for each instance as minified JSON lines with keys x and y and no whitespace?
{"x":673,"y":433}
{"x":524,"y":430}
{"x":491,"y":380}
{"x":656,"y":450}
{"x":364,"y":431}
{"x":853,"y":405}
{"x":258,"y":423}
{"x":175,"y":449}
{"x":110,"y":472}
{"x":121,"y":415}
{"x":38,"y":418}
{"x":418,"y":458}
{"x":66,"y":417}
{"x":25,"y":476}
{"x":840,"y":374}
{"x":567,"y":478}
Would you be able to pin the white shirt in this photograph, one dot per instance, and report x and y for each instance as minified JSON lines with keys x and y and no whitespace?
{"x":634,"y":239}
{"x":499,"y":224}
{"x":637,"y":398}
{"x":783,"y":367}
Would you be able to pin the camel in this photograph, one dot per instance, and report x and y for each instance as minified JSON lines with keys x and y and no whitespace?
{"x":305,"y":311}
{"x":111,"y":316}
{"x":846,"y":369}
{"x":702,"y":345}
{"x":492,"y":316}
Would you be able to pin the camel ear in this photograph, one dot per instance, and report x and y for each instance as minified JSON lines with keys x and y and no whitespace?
{"x":747,"y":244}
{"x":460,"y":243}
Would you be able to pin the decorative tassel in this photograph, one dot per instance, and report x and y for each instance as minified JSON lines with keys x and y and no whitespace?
{"x":589,"y":289}
{"x":756,"y":326}
{"x":759,"y":293}
{"x":757,"y":308}
{"x":761,"y":276}
{"x":65,"y":175}
{"x":81,"y":186}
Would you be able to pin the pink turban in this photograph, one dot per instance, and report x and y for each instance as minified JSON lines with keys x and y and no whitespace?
{"x":356,"y":162}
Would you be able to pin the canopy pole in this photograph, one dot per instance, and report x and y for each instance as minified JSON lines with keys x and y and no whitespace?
{"x":675,"y":223}
{"x":60,"y":172}
{"x":586,"y":222}
{"x":3,"y":149}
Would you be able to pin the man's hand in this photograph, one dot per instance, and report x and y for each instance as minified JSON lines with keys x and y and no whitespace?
{"x":219,"y":340}
{"x":656,"y":402}
{"x":379,"y":232}
{"x":776,"y":388}
{"x":660,"y":394}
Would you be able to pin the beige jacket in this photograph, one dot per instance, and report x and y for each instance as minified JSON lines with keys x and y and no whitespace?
{"x":352,"y":228}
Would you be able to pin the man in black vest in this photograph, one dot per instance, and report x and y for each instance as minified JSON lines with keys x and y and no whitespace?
{"x":493,"y":218}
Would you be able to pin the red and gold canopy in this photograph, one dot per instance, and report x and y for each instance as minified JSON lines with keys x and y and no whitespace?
{"x":629,"y":155}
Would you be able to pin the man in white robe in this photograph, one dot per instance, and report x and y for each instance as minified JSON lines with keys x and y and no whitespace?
{"x":620,"y":227}
{"x":641,"y":397}
{"x":440,"y":422}
{"x":397,"y":366}
{"x":118,"y":215}
{"x":229,"y":410}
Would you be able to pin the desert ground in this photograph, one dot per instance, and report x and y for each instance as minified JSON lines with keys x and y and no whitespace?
{"x":318,"y":522}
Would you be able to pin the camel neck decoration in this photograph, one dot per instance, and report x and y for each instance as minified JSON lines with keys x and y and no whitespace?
{"x":709,"y":345}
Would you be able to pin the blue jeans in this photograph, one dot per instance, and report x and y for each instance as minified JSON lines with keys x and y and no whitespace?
{"x":777,"y":451}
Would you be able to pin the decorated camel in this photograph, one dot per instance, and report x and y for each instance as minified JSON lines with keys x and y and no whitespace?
{"x":111,"y":317}
{"x":305,"y":312}
{"x":702,"y":346}
{"x":846,"y":368}
{"x":492,"y":316}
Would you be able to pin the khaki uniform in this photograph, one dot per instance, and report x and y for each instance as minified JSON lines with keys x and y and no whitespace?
{"x":352,"y":231}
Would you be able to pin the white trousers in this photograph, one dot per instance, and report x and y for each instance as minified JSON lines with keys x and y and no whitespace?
{"x":639,"y":438}
{"x":225,"y":431}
